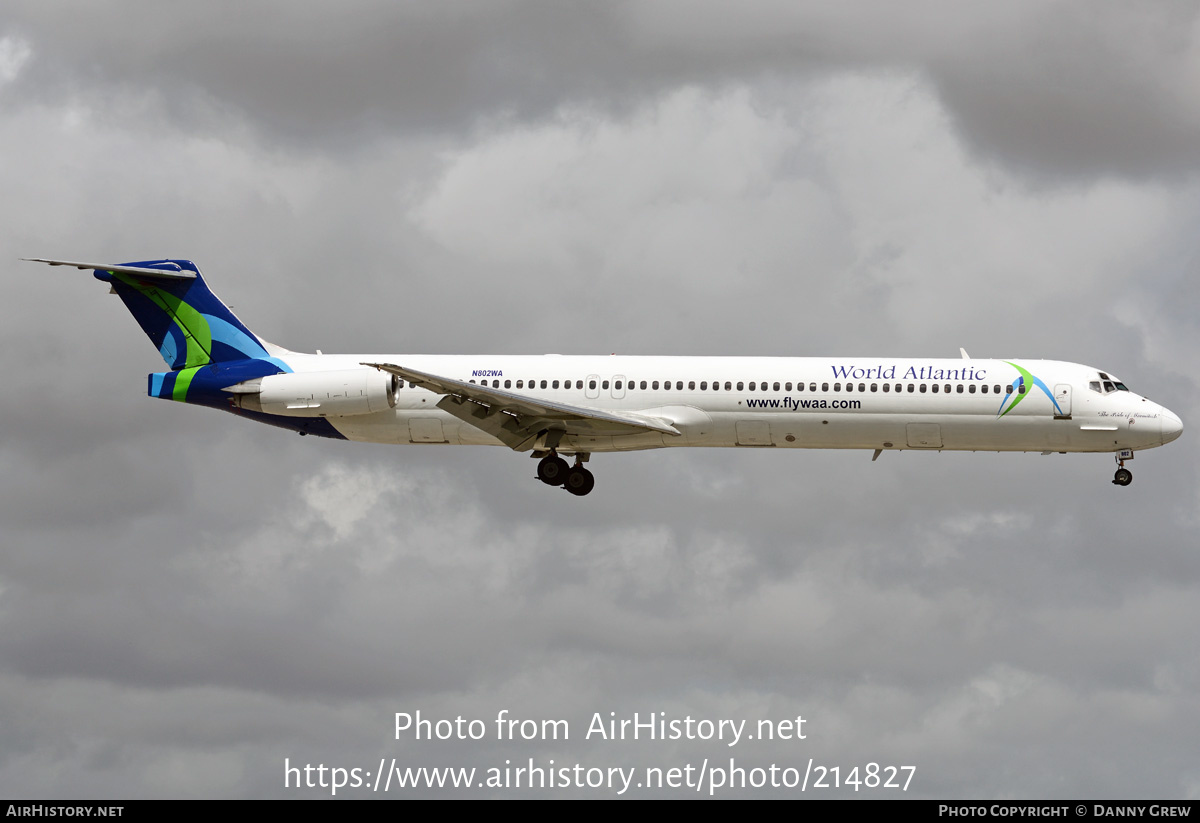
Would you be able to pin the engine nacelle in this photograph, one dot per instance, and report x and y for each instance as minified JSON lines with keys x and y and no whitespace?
{"x":318,"y":394}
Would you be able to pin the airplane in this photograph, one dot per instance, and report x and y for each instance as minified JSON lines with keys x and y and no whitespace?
{"x":556,"y":406}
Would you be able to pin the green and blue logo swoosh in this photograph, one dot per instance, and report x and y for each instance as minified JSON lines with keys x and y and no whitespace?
{"x":1020,"y":390}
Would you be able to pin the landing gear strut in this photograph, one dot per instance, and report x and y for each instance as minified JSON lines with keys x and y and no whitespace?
{"x":1124,"y":476}
{"x":554,"y":471}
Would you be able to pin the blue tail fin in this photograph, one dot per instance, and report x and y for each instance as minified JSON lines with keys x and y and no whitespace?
{"x":181,"y":316}
{"x":188,"y":324}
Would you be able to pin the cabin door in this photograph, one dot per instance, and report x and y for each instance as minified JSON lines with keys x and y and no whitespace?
{"x":1062,"y":396}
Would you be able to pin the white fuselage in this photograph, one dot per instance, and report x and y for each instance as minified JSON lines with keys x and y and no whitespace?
{"x":797,"y":402}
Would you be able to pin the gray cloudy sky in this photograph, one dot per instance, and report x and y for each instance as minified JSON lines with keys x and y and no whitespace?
{"x":187,"y":599}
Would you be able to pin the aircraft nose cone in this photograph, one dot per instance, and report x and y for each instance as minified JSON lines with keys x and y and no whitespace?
{"x":1172,"y":426}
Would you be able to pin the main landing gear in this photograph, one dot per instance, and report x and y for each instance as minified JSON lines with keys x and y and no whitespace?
{"x":554,"y":471}
{"x":1124,"y":476}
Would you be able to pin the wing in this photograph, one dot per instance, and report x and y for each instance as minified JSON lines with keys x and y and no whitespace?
{"x":517,"y":419}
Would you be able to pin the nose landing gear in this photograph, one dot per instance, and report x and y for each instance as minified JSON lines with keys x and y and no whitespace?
{"x":554,"y":471}
{"x":1124,"y":476}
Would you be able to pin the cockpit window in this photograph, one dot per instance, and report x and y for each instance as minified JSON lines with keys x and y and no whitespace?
{"x":1109,"y":383}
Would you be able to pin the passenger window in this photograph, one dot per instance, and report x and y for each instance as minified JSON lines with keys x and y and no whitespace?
{"x":579,"y":384}
{"x":654,"y":385}
{"x":728,"y":386}
{"x":739,"y":385}
{"x":812,"y":386}
{"x":849,"y":387}
{"x":971,"y":389}
{"x":554,"y":385}
{"x":862,"y":386}
{"x":837,"y":386}
{"x":983,"y":388}
{"x":799,"y":387}
{"x":934,"y":388}
{"x":703,"y":385}
{"x":824,"y":387}
{"x":508,"y":384}
{"x":752,"y":385}
{"x":604,"y":384}
{"x":643,"y":385}
{"x":911,"y":388}
{"x":1021,"y":389}
{"x":543,"y":384}
{"x":874,"y":387}
{"x":592,"y":385}
{"x":679,"y":385}
{"x":959,"y":388}
{"x":472,"y":381}
{"x":617,"y":386}
{"x":887,"y":387}
{"x":922,"y":388}
{"x":691,"y":385}
{"x":1008,"y":390}
{"x":787,"y":386}
{"x":776,"y":387}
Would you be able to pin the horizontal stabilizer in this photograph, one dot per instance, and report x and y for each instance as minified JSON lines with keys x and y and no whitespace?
{"x":141,"y":271}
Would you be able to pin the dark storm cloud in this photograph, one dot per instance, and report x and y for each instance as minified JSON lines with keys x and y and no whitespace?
{"x":320,"y":73}
{"x":1048,"y":87}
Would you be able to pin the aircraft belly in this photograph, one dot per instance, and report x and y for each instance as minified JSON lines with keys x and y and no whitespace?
{"x":906,"y":431}
{"x":372,"y":428}
{"x":809,"y":431}
{"x":821,"y":430}
{"x":404,"y":426}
